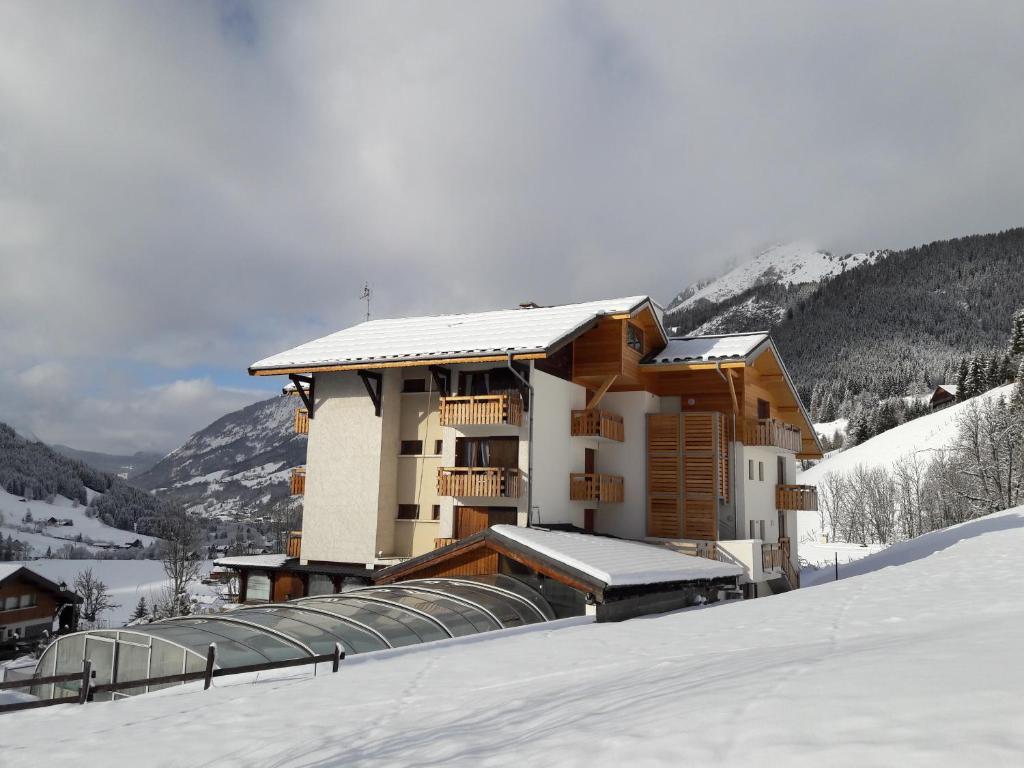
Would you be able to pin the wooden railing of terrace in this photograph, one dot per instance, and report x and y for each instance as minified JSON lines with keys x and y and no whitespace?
{"x":294,"y":545}
{"x":298,"y":481}
{"x":503,"y":408}
{"x":301,"y":421}
{"x":798,"y":497}
{"x":479,"y":481}
{"x":597,"y":423}
{"x":443,"y":542}
{"x":596,"y":487}
{"x":773,"y":433}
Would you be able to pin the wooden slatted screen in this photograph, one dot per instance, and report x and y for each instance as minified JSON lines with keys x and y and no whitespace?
{"x":664,"y":490}
{"x":700,"y":482}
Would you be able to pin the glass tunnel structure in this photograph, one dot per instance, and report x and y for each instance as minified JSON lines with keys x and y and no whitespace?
{"x":363,"y":620}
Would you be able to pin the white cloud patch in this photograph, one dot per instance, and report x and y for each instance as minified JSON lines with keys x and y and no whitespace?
{"x":202,"y":184}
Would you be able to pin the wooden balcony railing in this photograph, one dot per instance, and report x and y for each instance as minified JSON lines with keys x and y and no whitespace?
{"x":479,"y":481}
{"x":504,"y":408}
{"x":438,"y":543}
{"x":294,"y":543}
{"x":595,"y":423}
{"x":301,"y":421}
{"x":772,"y":432}
{"x":595,"y":487}
{"x":298,"y":481}
{"x":700,"y":548}
{"x":798,"y":497}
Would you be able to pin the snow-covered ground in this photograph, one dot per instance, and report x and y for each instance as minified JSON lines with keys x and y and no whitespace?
{"x":832,"y":428}
{"x":13,"y":510}
{"x":913,"y":663}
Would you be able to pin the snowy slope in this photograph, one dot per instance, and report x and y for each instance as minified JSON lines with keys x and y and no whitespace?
{"x":93,"y":531}
{"x":796,"y":262}
{"x":925,"y":435}
{"x":915,"y":665}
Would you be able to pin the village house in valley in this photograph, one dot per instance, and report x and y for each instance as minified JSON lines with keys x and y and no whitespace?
{"x":29,"y":604}
{"x":583,"y":420}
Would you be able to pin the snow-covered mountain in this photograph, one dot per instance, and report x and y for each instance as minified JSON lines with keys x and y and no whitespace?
{"x":790,"y":263}
{"x":239,"y":466}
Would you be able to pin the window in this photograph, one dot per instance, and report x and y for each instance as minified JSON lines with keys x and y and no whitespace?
{"x":438,"y":447}
{"x":408,"y":511}
{"x":10,"y":603}
{"x":435,"y":512}
{"x":634,"y":338}
{"x":414,"y":385}
{"x":764,"y":410}
{"x":760,"y":529}
{"x":257,"y":587}
{"x":750,"y":469}
{"x":752,"y":530}
{"x":412,"y":447}
{"x":320,"y":584}
{"x":27,"y":601}
{"x":760,"y":471}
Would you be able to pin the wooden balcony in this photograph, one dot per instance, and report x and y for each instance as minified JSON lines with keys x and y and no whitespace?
{"x":301,"y":421}
{"x":596,"y":423}
{"x":504,"y":408}
{"x":479,"y":481}
{"x":298,"y":481}
{"x":438,"y":543}
{"x":773,"y":433}
{"x":596,"y":487}
{"x":294,"y":544}
{"x":798,"y":497}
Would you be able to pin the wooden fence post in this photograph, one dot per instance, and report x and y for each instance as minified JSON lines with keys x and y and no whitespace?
{"x":211,"y":657}
{"x":83,"y":693}
{"x":339,"y":654}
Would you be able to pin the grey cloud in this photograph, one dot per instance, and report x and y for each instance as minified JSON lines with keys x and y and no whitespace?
{"x":204,"y":184}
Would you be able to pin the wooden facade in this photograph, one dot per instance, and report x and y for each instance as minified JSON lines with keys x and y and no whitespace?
{"x":503,"y":408}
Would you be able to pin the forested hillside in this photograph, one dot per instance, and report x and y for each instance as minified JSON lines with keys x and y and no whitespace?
{"x":907,"y":321}
{"x":34,"y":471}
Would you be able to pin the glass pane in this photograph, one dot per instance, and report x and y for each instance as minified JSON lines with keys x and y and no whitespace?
{"x":457,"y":617}
{"x":476,"y":615}
{"x":44,"y":668}
{"x":353,"y":639}
{"x":271,"y":646}
{"x":100,"y":652}
{"x":320,"y":585}
{"x":315,"y":637}
{"x":523,"y":590}
{"x":132,"y":664}
{"x":229,"y":653}
{"x":503,"y":607}
{"x":257,"y":587}
{"x":387,"y":622}
{"x":166,"y":659}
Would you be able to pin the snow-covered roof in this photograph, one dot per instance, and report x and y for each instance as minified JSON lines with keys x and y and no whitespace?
{"x":253,"y":561}
{"x":6,"y":569}
{"x":689,"y":349}
{"x":614,"y":561}
{"x":951,"y":388}
{"x":519,"y":331}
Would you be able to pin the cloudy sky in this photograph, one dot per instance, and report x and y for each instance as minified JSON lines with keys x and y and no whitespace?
{"x":186,"y":187}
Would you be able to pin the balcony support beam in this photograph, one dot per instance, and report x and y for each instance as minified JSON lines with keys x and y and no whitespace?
{"x":374,"y":389}
{"x":307,"y":393}
{"x":601,"y":392}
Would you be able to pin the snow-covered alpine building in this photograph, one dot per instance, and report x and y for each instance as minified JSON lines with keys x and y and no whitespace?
{"x":426,"y":432}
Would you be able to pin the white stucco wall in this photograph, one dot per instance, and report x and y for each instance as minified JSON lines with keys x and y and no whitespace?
{"x":556,"y":453}
{"x":345,"y":465}
{"x":756,"y":498}
{"x":628,"y":459}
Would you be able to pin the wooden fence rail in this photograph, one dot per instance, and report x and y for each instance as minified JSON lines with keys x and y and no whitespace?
{"x":87,"y":689}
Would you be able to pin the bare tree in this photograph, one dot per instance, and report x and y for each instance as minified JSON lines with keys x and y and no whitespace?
{"x":95,"y":596}
{"x":182,"y":562}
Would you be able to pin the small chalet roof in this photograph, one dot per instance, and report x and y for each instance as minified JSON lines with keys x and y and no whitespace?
{"x":517,"y":331}
{"x":8,"y":570}
{"x":617,"y":562}
{"x":950,"y":388}
{"x":252,"y":561}
{"x":693,"y":349}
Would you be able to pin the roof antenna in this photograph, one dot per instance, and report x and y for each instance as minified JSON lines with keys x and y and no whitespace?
{"x":365,"y":296}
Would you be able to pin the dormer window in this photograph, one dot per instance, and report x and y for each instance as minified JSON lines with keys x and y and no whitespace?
{"x":634,"y":338}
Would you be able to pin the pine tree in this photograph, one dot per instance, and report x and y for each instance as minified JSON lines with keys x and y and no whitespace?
{"x":961,"y":380}
{"x":1017,"y":399}
{"x":975,"y":377}
{"x":141,"y":610}
{"x":993,"y":371}
{"x":1017,"y":333}
{"x":1006,"y":370}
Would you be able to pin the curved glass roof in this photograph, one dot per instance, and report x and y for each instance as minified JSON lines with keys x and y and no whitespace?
{"x":363,"y":620}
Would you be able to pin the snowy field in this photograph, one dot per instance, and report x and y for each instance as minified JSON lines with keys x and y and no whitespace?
{"x":13,"y":510}
{"x":127,"y":580}
{"x":914,"y":662}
